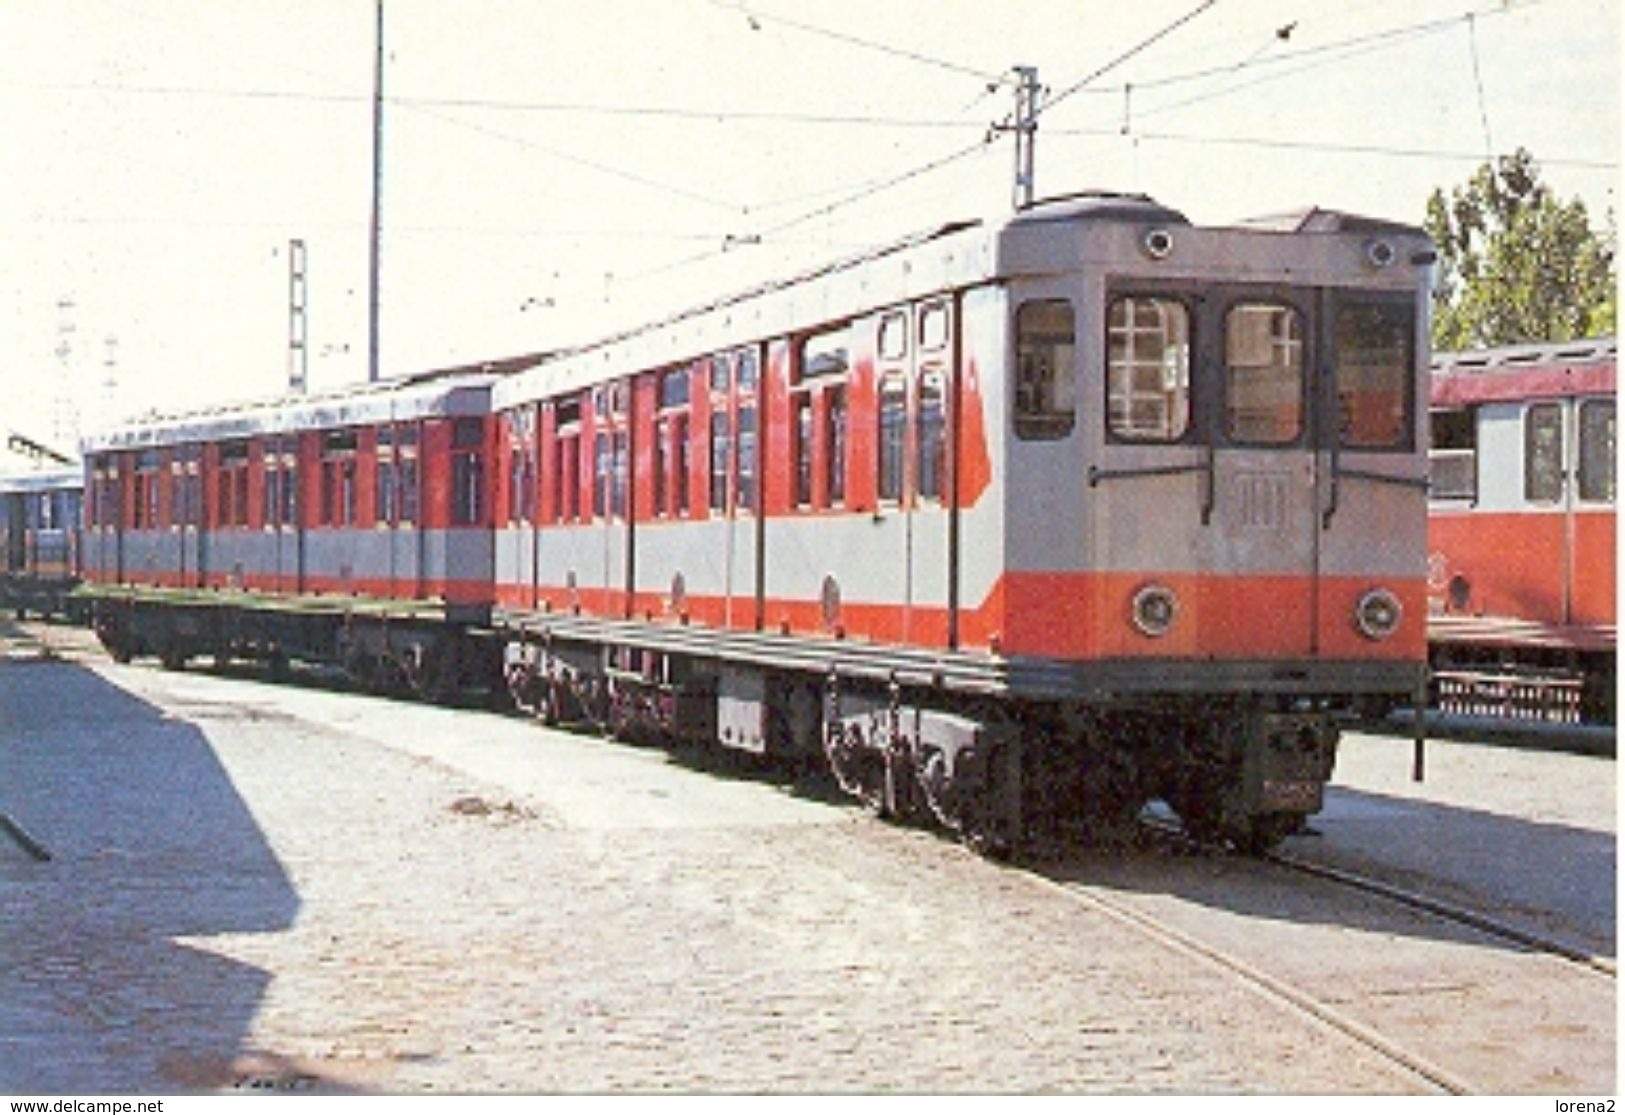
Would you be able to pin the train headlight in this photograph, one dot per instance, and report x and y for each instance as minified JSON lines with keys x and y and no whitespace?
{"x":1380,"y":254}
{"x":1153,"y":610}
{"x":1377,"y":614}
{"x":1157,"y":243}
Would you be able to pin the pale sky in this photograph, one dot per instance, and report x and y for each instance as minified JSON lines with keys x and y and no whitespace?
{"x":552,"y":168}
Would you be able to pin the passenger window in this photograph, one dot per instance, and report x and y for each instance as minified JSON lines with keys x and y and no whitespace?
{"x":893,"y":430}
{"x":934,"y":322}
{"x":1373,"y":361}
{"x":1263,"y":358}
{"x":894,"y":336}
{"x":835,"y":442}
{"x":1597,"y":466}
{"x":1148,"y":374}
{"x":933,"y":425}
{"x":1543,"y":453}
{"x":1453,"y":458}
{"x":746,"y":495}
{"x":1046,"y":368}
{"x":721,"y":452}
{"x":802,"y":430}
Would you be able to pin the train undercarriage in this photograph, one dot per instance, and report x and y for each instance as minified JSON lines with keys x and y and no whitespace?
{"x":382,"y":647}
{"x":918,"y":738}
{"x":1001,"y":774}
{"x":1534,"y":684}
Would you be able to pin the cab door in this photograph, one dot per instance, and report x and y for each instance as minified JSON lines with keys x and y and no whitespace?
{"x":1259,"y":555}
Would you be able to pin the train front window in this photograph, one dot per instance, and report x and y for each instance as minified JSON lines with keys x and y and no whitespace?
{"x":1148,"y":369}
{"x":1373,"y":360}
{"x":1263,"y":360}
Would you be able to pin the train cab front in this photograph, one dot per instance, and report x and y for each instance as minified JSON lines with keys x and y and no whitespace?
{"x":1217,"y":511}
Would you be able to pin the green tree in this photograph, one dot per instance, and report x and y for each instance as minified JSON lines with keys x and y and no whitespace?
{"x":1516,"y":264}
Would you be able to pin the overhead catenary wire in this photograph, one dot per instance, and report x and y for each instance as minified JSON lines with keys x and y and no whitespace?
{"x":1478,"y":84}
{"x":757,"y":16}
{"x":1138,"y":48}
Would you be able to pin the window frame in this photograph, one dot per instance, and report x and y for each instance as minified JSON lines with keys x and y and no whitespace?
{"x":1265,"y":299}
{"x":891,"y":438}
{"x":1551,"y":476}
{"x":1032,"y":423}
{"x":1192,"y":425}
{"x":1341,"y":300}
{"x":1583,"y":489}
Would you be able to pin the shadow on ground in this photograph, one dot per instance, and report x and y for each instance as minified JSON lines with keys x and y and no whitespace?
{"x":150,"y":844}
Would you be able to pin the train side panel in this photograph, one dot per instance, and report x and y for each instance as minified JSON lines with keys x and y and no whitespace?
{"x":1523,"y":531}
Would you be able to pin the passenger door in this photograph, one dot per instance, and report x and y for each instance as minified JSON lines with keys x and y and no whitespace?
{"x":186,"y":512}
{"x":1259,"y":555}
{"x":612,"y":494}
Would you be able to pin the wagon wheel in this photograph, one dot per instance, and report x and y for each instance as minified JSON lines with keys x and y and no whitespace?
{"x":858,"y":768}
{"x":426,"y":672}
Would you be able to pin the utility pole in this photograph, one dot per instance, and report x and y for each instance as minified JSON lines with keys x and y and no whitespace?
{"x":1026,"y":129}
{"x":64,"y":414}
{"x":109,"y":378}
{"x":298,"y":333}
{"x":377,"y":191}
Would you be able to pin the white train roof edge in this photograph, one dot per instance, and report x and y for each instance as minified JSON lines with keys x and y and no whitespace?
{"x":41,"y":480}
{"x":461,"y":391}
{"x":1590,"y":350}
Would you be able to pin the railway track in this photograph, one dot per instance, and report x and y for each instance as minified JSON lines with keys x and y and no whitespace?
{"x":1432,"y":1077}
{"x":1448,"y":911}
{"x":1398,"y":1052}
{"x":1409,"y":899}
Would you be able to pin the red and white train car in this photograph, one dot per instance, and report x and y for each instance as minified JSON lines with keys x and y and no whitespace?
{"x":353,"y":526}
{"x":1010,"y":523}
{"x":40,"y":517}
{"x":1523,"y":530}
{"x":1052,"y":516}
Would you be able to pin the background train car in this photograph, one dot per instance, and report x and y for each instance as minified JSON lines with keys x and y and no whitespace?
{"x":352,"y":527}
{"x":40,"y":523}
{"x":1521,"y":582}
{"x":1048,"y":517}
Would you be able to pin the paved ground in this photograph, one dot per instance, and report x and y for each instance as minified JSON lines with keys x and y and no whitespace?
{"x":255,"y":884}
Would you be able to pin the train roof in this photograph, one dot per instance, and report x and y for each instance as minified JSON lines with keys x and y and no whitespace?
{"x":1510,"y":373}
{"x":462,"y":389}
{"x":949,"y":256}
{"x":43,"y":480}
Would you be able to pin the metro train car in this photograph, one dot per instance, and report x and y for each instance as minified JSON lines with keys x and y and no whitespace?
{"x":1522,"y":540}
{"x":348,"y":528}
{"x":1011,"y":523}
{"x":1014,"y":525}
{"x":40,"y":515}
